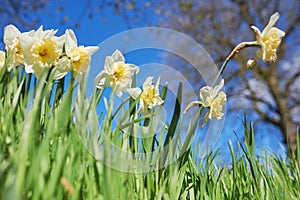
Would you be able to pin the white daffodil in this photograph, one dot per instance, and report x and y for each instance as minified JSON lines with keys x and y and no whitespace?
{"x":214,"y":99}
{"x":41,"y":50}
{"x":80,"y":56}
{"x":62,"y":67}
{"x":2,"y":59}
{"x":12,"y":45}
{"x":269,"y":39}
{"x":149,"y":96}
{"x":116,"y":74}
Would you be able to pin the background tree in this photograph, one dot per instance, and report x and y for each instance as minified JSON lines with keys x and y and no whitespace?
{"x":270,"y":90}
{"x":22,"y":13}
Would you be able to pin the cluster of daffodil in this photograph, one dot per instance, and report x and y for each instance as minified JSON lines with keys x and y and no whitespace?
{"x":40,"y":50}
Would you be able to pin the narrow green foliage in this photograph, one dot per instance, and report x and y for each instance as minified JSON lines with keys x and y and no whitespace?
{"x":52,"y":150}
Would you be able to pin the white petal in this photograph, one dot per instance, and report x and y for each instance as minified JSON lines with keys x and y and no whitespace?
{"x":102,"y":80}
{"x":280,"y":33}
{"x":39,"y":31}
{"x":122,"y":85}
{"x":273,"y":19}
{"x":258,"y":34}
{"x":29,"y":33}
{"x":205,"y":95}
{"x":134,"y":92}
{"x":108,"y":62}
{"x":61,"y":40}
{"x":262,"y":51}
{"x":71,"y":40}
{"x":157,"y":82}
{"x":58,"y":75}
{"x":38,"y":71}
{"x":63,"y":65}
{"x":217,"y":89}
{"x":84,"y":67}
{"x":91,"y":49}
{"x":147,"y":83}
{"x":159,"y":101}
{"x":10,"y":32}
{"x":133,"y":68}
{"x":26,"y":43}
{"x":118,"y":56}
{"x":119,"y":92}
{"x":50,"y":33}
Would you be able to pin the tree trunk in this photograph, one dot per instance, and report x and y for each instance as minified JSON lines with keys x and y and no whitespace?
{"x":286,"y":125}
{"x":288,"y":128}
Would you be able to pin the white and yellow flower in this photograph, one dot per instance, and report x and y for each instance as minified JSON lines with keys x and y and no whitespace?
{"x":2,"y":59}
{"x":116,"y":74}
{"x":80,"y":56}
{"x":11,"y":39}
{"x":212,"y":98}
{"x":149,"y":96}
{"x":41,"y":50}
{"x":269,"y":40}
{"x":77,"y":58}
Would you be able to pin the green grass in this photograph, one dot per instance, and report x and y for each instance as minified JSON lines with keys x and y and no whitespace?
{"x":48,"y":151}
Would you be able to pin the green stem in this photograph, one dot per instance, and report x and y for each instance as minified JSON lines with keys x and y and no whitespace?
{"x":118,"y":109}
{"x":237,"y":49}
{"x":220,"y":72}
{"x":59,"y":90}
{"x":28,"y":83}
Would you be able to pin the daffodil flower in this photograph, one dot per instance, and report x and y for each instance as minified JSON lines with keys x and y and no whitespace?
{"x":41,"y":50}
{"x":116,"y":74}
{"x":12,"y":45}
{"x":80,"y":56}
{"x":212,"y":98}
{"x":149,"y":96}
{"x":269,"y":40}
{"x":2,"y":59}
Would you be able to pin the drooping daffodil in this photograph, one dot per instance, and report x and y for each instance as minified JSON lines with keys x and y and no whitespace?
{"x":149,"y":96}
{"x":41,"y":50}
{"x":212,"y":98}
{"x":2,"y":59}
{"x":268,"y":40}
{"x":116,"y":74}
{"x":76,"y":58}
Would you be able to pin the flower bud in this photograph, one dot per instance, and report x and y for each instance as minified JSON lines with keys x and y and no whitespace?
{"x":250,"y":63}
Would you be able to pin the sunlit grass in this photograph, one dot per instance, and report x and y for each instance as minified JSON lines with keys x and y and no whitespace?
{"x":44,"y":153}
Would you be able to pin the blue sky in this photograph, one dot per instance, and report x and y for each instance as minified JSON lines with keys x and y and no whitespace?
{"x":93,"y":31}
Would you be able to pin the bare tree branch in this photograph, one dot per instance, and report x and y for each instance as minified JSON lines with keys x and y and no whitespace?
{"x":291,"y":80}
